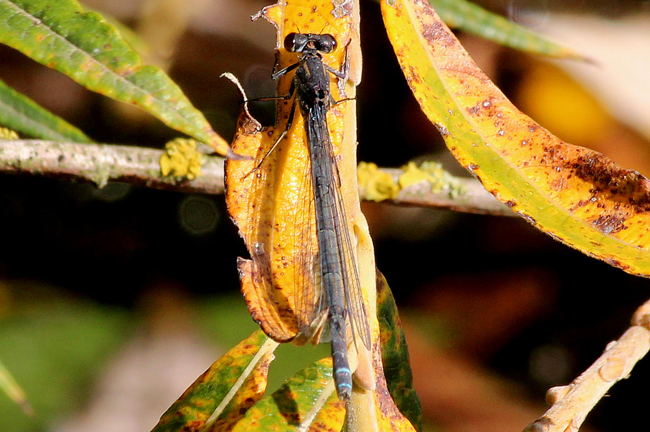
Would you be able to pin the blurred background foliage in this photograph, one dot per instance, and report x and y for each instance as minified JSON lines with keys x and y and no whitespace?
{"x":113,"y":301}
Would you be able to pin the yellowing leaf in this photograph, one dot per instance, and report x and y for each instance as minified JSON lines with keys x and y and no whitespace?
{"x":82,"y":45}
{"x":395,"y":355}
{"x":574,"y":194}
{"x":306,"y":401}
{"x":219,"y":398}
{"x":271,"y":198}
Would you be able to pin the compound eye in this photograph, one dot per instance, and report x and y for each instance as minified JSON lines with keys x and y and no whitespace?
{"x":326,"y":43}
{"x":290,"y":42}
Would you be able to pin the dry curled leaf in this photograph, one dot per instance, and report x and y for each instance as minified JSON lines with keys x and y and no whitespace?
{"x":270,"y":197}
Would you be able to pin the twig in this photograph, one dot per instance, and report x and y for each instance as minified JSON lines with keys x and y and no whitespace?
{"x":101,"y":163}
{"x":473,"y":198}
{"x":572,"y":403}
{"x":427,"y":185}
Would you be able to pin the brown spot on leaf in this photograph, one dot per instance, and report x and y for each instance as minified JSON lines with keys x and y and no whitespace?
{"x":193,"y":426}
{"x":609,"y":224}
{"x":433,"y":31}
{"x":528,"y":218}
{"x":442,"y":129}
{"x":559,"y":184}
{"x":609,"y":179}
{"x":292,"y":418}
{"x":616,"y":263}
{"x":577,"y":205}
{"x":414,"y":76}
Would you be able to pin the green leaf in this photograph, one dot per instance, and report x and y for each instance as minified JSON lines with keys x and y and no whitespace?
{"x":23,"y":115}
{"x":395,"y":355}
{"x":83,"y":46}
{"x":214,"y":397}
{"x":472,"y":18}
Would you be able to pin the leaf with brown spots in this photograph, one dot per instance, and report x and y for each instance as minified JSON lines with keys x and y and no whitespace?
{"x":574,"y":194}
{"x":306,"y":402}
{"x":270,"y":197}
{"x":395,"y":355}
{"x":220,"y":397}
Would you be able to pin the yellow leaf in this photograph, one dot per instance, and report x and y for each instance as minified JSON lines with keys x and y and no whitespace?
{"x":576,"y":195}
{"x":270,"y":197}
{"x":306,"y":402}
{"x":220,"y":397}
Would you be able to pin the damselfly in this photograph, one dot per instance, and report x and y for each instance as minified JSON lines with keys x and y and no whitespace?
{"x":341,"y":299}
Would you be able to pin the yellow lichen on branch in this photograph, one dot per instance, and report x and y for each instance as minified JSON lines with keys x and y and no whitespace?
{"x":181,"y":159}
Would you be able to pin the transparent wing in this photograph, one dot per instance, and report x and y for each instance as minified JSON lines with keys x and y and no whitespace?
{"x":356,"y":310}
{"x":345,"y":249}
{"x":300,"y":232}
{"x":310,"y":304}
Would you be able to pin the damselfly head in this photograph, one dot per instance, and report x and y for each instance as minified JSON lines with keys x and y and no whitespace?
{"x":299,"y":42}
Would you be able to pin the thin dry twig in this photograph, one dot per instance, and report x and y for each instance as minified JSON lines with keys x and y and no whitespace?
{"x":572,"y":403}
{"x":101,"y":163}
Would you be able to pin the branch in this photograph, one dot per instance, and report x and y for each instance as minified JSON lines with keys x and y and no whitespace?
{"x":473,"y":198}
{"x":427,"y":185}
{"x":572,"y":403}
{"x":101,"y":163}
